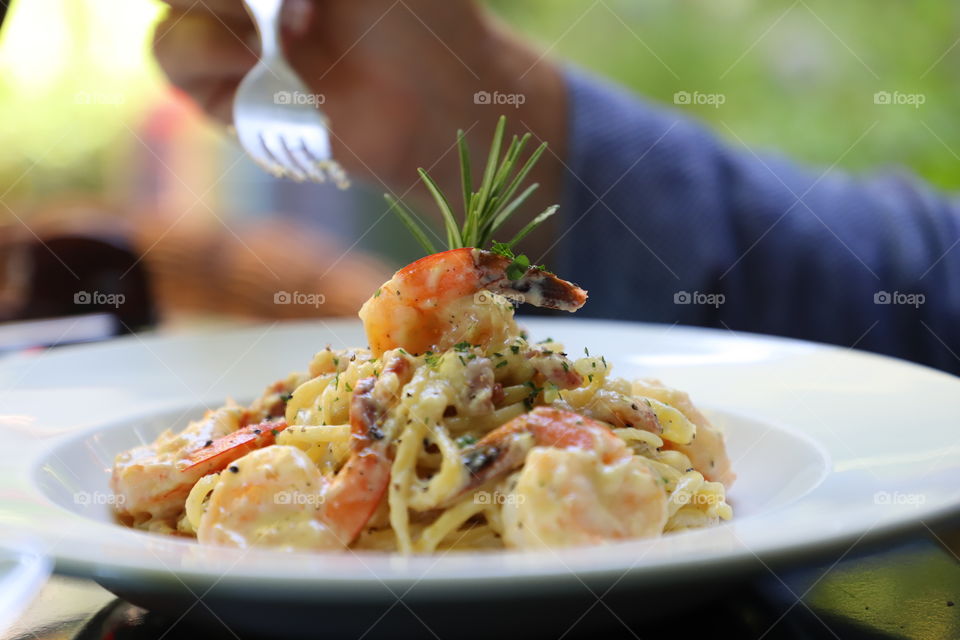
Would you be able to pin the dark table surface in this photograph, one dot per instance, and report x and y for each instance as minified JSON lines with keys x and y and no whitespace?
{"x":905,"y":590}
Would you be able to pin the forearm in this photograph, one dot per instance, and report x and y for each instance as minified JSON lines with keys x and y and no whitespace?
{"x":655,"y":206}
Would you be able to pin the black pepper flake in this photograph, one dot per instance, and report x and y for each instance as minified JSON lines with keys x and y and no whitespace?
{"x":208,"y":443}
{"x":477,"y":459}
{"x":949,"y":603}
{"x":234,"y":469}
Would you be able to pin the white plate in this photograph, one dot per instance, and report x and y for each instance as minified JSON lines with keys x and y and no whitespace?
{"x":22,"y":575}
{"x":832,"y":447}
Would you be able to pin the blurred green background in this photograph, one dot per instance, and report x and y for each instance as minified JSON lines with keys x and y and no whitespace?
{"x":798,"y":77}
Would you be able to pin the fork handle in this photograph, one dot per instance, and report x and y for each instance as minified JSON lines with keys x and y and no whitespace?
{"x":266,"y":15}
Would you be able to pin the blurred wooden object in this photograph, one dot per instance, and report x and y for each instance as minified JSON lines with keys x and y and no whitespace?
{"x":265,"y":270}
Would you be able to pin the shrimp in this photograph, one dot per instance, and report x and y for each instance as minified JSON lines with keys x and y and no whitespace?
{"x":152,"y":481}
{"x":580,"y":484}
{"x":278,"y":497}
{"x":505,"y":448}
{"x":571,"y":497}
{"x":439,"y":301}
{"x":707,"y":451}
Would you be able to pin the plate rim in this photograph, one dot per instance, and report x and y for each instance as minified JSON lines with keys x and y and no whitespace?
{"x":692,"y":562}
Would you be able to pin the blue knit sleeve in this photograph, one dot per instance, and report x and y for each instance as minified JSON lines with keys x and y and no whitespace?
{"x":664,"y":222}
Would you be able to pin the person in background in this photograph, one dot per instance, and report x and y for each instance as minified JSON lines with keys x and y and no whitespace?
{"x":659,"y":219}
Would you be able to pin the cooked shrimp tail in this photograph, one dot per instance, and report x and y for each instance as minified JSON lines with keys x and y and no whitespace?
{"x":359,"y":486}
{"x":506,"y":448}
{"x":217,"y":454}
{"x":535,"y":286}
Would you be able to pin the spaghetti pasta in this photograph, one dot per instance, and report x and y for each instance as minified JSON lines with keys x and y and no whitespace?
{"x":488,"y":442}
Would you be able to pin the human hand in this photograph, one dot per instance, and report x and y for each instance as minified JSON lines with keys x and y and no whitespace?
{"x":397,"y":79}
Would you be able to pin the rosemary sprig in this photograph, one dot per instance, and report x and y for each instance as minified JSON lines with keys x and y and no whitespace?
{"x":487,"y":208}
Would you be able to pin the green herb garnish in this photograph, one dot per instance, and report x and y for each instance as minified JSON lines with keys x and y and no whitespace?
{"x":490,"y":205}
{"x":466,"y":441}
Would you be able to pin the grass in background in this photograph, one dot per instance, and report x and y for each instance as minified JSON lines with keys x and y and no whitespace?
{"x":797,"y":76}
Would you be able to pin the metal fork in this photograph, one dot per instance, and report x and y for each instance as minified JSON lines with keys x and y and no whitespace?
{"x":276,"y":118}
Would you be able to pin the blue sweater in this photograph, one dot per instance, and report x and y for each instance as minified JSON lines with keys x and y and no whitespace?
{"x":663,"y":222}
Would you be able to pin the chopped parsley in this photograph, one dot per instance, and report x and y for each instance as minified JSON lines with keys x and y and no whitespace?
{"x":532,"y":396}
{"x":466,"y":441}
{"x":519,"y":264}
